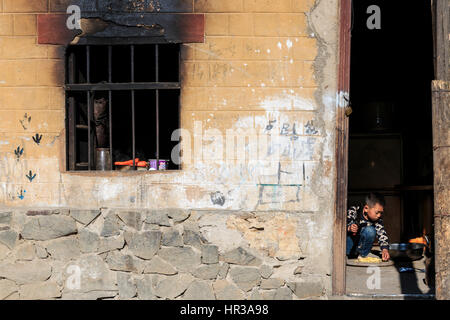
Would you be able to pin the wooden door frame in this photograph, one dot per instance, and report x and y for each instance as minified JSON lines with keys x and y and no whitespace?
{"x":341,"y":152}
{"x":441,"y":51}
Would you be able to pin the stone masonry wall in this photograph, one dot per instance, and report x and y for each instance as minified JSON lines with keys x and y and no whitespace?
{"x":142,"y":254}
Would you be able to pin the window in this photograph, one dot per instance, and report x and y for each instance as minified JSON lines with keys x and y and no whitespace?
{"x":122,"y":105}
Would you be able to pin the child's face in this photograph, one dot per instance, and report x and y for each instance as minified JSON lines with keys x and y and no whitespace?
{"x":375,"y":212}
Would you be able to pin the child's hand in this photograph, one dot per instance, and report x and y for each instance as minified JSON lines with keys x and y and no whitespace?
{"x":353,"y":228}
{"x":385,"y":255}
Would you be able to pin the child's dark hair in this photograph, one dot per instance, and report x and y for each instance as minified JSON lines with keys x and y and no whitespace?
{"x":373,"y":198}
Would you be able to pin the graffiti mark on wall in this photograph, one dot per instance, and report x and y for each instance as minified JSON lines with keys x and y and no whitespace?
{"x":25,"y":121}
{"x":218,"y":198}
{"x":37,"y":138}
{"x":18,"y":152}
{"x":21,"y":194}
{"x":270,"y":125}
{"x":287,"y":131}
{"x":274,"y":193}
{"x":30,"y":176}
{"x":310,"y":129}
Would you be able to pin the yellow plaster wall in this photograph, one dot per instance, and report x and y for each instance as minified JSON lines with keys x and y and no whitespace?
{"x":258,"y":64}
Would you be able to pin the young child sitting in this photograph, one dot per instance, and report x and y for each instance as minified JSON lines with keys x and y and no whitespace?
{"x":363,"y":225}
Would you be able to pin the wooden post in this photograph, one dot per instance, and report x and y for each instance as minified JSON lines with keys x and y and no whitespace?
{"x":441,"y":159}
{"x":342,"y":130}
{"x":441,"y":148}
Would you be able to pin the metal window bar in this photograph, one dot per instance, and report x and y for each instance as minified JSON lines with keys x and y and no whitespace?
{"x":91,"y":88}
{"x":110,"y":106}
{"x":88,"y":95}
{"x":72,"y":132}
{"x":133,"y":120}
{"x":157,"y":104}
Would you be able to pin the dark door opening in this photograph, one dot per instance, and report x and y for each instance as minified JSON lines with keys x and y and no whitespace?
{"x":390,"y":141}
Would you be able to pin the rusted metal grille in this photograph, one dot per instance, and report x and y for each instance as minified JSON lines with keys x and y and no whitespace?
{"x":113,"y":70}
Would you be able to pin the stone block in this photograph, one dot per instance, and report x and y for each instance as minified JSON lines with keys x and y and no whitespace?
{"x":6,"y":25}
{"x":133,"y":219}
{"x":246,"y":278}
{"x":124,"y":262}
{"x":26,"y":272}
{"x":265,"y":271}
{"x":192,"y":238}
{"x":111,"y":243}
{"x":89,"y":241}
{"x":223,"y":271}
{"x":25,"y":25}
{"x":216,"y":24}
{"x":63,"y":249}
{"x":48,"y":227}
{"x":143,"y":244}
{"x":25,"y":6}
{"x":5,"y":217}
{"x":26,"y":251}
{"x":127,"y":287}
{"x":273,"y":283}
{"x":184,"y":259}
{"x":84,"y":216}
{"x":199,"y":290}
{"x":171,"y":287}
{"x":158,"y":217}
{"x":145,"y":288}
{"x":227,"y":291}
{"x":158,"y":265}
{"x":41,"y":253}
{"x":282,"y":25}
{"x":172,"y":238}
{"x":50,"y":73}
{"x":9,"y":238}
{"x":7,"y":288}
{"x":4,"y":251}
{"x":178,"y":215}
{"x":210,"y":254}
{"x":255,"y":295}
{"x":241,"y":256}
{"x":307,"y":288}
{"x":283,"y":294}
{"x":207,"y":272}
{"x":40,"y":291}
{"x":110,"y":225}
{"x":241,"y":25}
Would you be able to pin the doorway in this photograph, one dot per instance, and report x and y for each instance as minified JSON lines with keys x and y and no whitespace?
{"x":390,"y":132}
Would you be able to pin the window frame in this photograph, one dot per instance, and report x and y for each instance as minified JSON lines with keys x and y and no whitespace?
{"x":90,"y":88}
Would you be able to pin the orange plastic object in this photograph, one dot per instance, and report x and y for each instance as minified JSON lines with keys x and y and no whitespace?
{"x":141,"y":164}
{"x":127,"y":163}
{"x":418,"y":240}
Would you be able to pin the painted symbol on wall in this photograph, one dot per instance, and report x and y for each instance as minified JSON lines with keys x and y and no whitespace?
{"x":31,"y":176}
{"x":37,"y":138}
{"x":271,"y":193}
{"x":374,"y":21}
{"x":217,"y":198}
{"x":286,"y":131}
{"x":270,"y":125}
{"x":25,"y":121}
{"x":18,"y":152}
{"x":21,"y":194}
{"x":310,"y":128}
